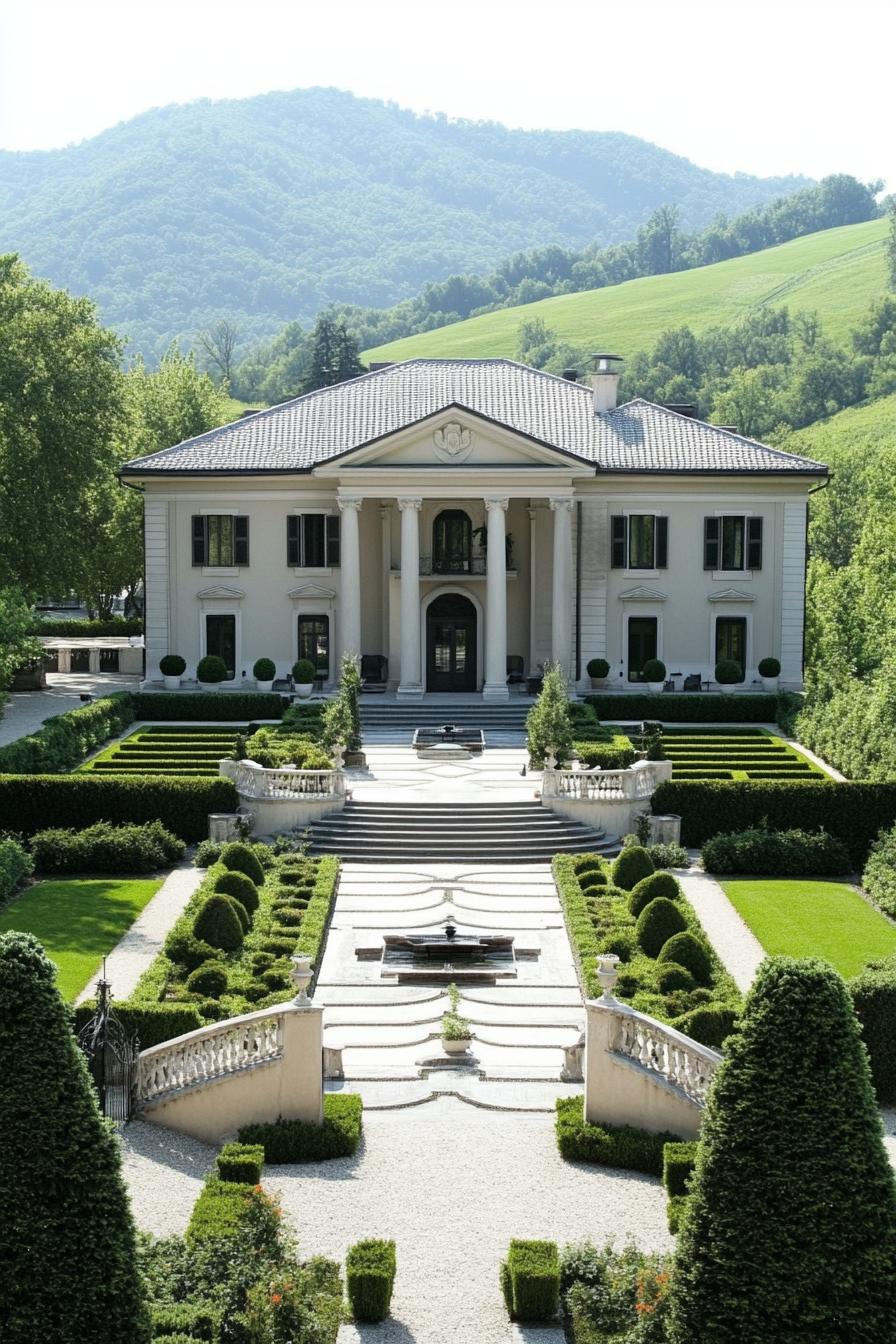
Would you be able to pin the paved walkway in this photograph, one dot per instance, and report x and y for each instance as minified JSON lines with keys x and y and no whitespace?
{"x":738,"y":948}
{"x":25,"y":711}
{"x":394,"y":774}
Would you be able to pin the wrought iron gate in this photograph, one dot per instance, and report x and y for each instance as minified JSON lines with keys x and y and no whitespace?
{"x":111,"y":1057}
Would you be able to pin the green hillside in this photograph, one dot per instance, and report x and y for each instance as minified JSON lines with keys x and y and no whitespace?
{"x":858,"y":430}
{"x":836,"y":273}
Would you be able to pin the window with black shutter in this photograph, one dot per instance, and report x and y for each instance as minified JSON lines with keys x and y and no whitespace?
{"x":662,"y":542}
{"x":312,"y":540}
{"x":754,"y":543}
{"x":711,"y":543}
{"x":732,"y":542}
{"x":618,"y":541}
{"x":220,"y":540}
{"x":294,"y":540}
{"x":333,"y":539}
{"x":241,"y":540}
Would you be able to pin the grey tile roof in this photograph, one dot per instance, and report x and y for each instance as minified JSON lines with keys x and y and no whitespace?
{"x":638,"y":436}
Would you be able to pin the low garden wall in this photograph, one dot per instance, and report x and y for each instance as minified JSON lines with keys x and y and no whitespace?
{"x":608,"y":800}
{"x":284,"y":799}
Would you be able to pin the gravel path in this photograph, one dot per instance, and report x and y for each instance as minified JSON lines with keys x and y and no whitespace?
{"x":739,"y":950}
{"x":452,"y":1184}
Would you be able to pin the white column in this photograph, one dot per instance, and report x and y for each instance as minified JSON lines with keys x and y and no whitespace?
{"x":495,"y":687}
{"x":386,"y":570}
{"x":561,"y":594}
{"x":533,"y":591}
{"x":350,"y":581}
{"x":410,"y":686}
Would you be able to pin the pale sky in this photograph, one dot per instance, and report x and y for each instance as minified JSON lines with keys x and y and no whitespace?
{"x":765,"y":87}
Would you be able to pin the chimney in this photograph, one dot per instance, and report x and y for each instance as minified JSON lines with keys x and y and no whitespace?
{"x":571,"y":375}
{"x":605,"y":380}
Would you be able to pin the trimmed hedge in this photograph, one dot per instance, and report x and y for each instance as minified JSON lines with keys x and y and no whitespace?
{"x":879,"y":877}
{"x":220,"y":1211}
{"x":530,"y":1280}
{"x":854,"y":812}
{"x":614,"y":753}
{"x":241,"y":1163}
{"x":240,"y":858}
{"x":218,"y":924}
{"x":649,"y":888}
{"x":295,"y":1141}
{"x":874,"y":999}
{"x":212,"y":706}
{"x":184,"y":1320}
{"x":151,"y":1023}
{"x":75,"y":801}
{"x":685,"y":707}
{"x":679,"y":1160}
{"x":240,"y":887}
{"x":687,"y":950}
{"x":15,"y":865}
{"x":657,"y":923}
{"x":607,"y":1145}
{"x":117,"y":627}
{"x":103,"y":848}
{"x":64,"y":741}
{"x":778,"y":853}
{"x":631,"y":866}
{"x":369,"y":1278}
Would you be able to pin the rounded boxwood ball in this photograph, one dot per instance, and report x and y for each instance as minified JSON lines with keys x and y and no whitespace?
{"x":595,"y":884}
{"x":241,"y":858}
{"x":710,"y":1024}
{"x":687,"y":950}
{"x":649,"y":888}
{"x":629,"y":867}
{"x":219,"y":924}
{"x":241,"y":888}
{"x":671,"y":977}
{"x":657,"y":923}
{"x":209,"y":981}
{"x":588,"y":864}
{"x":241,"y":913}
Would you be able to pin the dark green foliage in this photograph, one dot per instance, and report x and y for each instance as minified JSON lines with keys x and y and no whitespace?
{"x":681,"y":707}
{"x":68,"y":1266}
{"x":879,"y":877}
{"x":607,"y":1145}
{"x":874,"y":999}
{"x":530,"y":1278}
{"x":778,"y":853}
{"x":215,"y":706}
{"x":369,"y":1278}
{"x":151,"y":1023}
{"x":291,"y":1141}
{"x":83,"y":629}
{"x":211,"y":669}
{"x":76,"y":801}
{"x":65,"y":740}
{"x":853,"y":812}
{"x":679,"y":1160}
{"x":184,"y":1320}
{"x":240,"y":1162}
{"x":675,"y":1211}
{"x":649,"y":888}
{"x":185,"y":949}
{"x":768,"y":667}
{"x":670,"y":977}
{"x":172,"y":665}
{"x":593,"y":884}
{"x":631,"y":866}
{"x":615,"y":753}
{"x":103,"y":848}
{"x":221,"y":1210}
{"x":264,"y":670}
{"x":686,"y":949}
{"x":242,"y":858}
{"x":549,"y":723}
{"x":240,"y":887}
{"x":657,"y":922}
{"x":15,"y":864}
{"x":209,"y":980}
{"x":728,"y":672}
{"x":218,"y":924}
{"x":614,"y":1295}
{"x":709,"y":1023}
{"x":791,"y":1235}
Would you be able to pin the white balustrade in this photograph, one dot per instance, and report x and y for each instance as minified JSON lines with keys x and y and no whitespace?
{"x":637,"y":782}
{"x":254,"y":781}
{"x":212,"y":1052}
{"x":685,"y":1063}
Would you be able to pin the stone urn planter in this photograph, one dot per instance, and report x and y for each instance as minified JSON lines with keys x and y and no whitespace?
{"x":456,"y":1047}
{"x":303,"y":674}
{"x":172,"y":668}
{"x":264,"y":672}
{"x":729,"y":676}
{"x":210,"y":672}
{"x":769,"y":671}
{"x":654,"y":673}
{"x":599,"y":671}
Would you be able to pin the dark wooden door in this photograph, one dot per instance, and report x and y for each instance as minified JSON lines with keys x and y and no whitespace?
{"x":641,"y":644}
{"x":451,"y":644}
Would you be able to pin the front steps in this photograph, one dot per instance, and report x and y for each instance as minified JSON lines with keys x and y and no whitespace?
{"x":378,"y":720}
{"x":374,"y":832}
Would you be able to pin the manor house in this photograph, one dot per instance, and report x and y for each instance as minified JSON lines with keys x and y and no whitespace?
{"x":462,"y":522}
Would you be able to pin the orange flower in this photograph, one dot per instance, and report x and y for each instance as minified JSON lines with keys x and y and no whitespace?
{"x":276,"y":1298}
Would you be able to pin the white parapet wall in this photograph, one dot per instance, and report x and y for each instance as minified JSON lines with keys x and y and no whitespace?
{"x":641,"y":1072}
{"x":284,"y":799}
{"x":244,"y":1070}
{"x":608,"y":800}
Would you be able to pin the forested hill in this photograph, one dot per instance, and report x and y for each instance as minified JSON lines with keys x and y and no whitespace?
{"x":266,"y":209}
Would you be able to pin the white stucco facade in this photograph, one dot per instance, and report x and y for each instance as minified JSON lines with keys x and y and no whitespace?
{"x":529,"y":569}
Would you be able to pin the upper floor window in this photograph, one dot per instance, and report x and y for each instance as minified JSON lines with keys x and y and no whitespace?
{"x":732,"y":541}
{"x":639,"y":541}
{"x":220,"y":540}
{"x":452,"y":542}
{"x":312,"y":540}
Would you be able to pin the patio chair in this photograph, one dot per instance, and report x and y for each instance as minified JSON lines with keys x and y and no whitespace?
{"x":514,"y":669}
{"x":692,"y":682}
{"x":374,"y":669}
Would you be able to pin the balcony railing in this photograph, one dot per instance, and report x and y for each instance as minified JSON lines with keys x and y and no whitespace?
{"x":452,"y":564}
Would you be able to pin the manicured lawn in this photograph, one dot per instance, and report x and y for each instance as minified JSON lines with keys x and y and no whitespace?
{"x":734,"y":753}
{"x":813,"y":919}
{"x":79,"y":920}
{"x":168,"y":750}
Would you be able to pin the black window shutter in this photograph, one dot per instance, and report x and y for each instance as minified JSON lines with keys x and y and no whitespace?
{"x":333,"y":539}
{"x":293,"y":539}
{"x":617,"y":536}
{"x":754,"y":543}
{"x":711,"y":543}
{"x":661,"y":542}
{"x":198,"y":539}
{"x":241,"y":540}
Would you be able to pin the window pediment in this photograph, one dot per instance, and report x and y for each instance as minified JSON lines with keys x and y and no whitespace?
{"x":642,"y":594}
{"x":315,"y":591}
{"x":731,"y":595}
{"x":220,"y":592}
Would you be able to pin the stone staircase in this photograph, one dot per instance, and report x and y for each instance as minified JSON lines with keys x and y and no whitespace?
{"x":394,"y":722}
{"x":509,"y":832}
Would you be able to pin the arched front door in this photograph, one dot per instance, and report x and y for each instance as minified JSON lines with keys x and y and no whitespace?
{"x":451,"y":644}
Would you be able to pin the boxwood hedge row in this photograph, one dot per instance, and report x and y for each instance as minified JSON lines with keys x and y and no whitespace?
{"x":210,"y":706}
{"x":27,"y":802}
{"x":681,"y":707}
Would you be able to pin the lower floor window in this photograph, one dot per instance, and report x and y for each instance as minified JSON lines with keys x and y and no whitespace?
{"x":220,"y":640}
{"x":642,"y":644}
{"x":314,"y":642}
{"x":731,"y":641}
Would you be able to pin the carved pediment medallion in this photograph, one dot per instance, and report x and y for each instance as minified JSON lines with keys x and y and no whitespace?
{"x":453,"y":442}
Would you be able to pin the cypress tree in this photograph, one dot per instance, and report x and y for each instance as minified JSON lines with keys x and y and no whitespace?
{"x":68,"y":1259}
{"x":790,"y":1230}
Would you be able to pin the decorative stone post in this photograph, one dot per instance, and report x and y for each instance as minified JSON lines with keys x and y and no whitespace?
{"x":350,"y":580}
{"x":561,"y":595}
{"x":608,"y":974}
{"x":301,"y":978}
{"x":496,"y":604}
{"x":410,"y":686}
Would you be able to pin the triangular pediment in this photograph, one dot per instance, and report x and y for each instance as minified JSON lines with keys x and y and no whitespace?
{"x":315,"y":591}
{"x":642,"y":594}
{"x":731,"y":595}
{"x":220,"y":592}
{"x":456,"y":439}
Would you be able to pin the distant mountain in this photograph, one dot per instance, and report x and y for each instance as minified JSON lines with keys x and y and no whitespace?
{"x":268,"y":208}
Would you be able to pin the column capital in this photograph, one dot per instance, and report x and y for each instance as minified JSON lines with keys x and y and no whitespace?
{"x":564,"y":502}
{"x":349,"y":504}
{"x":494,"y":502}
{"x":385,"y":510}
{"x":409,"y":503}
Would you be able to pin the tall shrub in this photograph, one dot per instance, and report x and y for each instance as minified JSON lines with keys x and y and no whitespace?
{"x":549,"y":723}
{"x":68,"y":1266}
{"x":790,"y":1231}
{"x":342,"y":716}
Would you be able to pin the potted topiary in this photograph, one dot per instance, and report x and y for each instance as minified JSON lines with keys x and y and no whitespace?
{"x":598,"y":670}
{"x":456,"y":1033}
{"x":172,"y":668}
{"x":303,"y":674}
{"x":769,"y":671}
{"x":729,"y":675}
{"x":264,"y":673}
{"x":654,"y":673}
{"x":211,"y":671}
